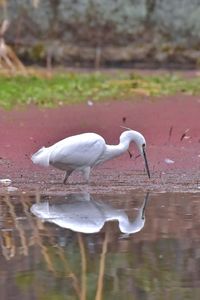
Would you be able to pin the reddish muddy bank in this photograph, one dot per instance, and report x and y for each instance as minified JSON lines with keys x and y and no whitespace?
{"x":171,"y":126}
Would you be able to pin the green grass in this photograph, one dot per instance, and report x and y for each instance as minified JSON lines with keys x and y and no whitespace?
{"x":79,"y":87}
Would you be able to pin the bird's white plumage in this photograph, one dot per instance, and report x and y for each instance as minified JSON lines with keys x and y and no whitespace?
{"x":83,"y":151}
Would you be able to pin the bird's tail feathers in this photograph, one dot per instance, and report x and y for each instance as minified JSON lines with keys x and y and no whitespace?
{"x":41,"y":157}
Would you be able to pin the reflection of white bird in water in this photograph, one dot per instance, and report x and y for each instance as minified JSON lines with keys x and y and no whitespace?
{"x":88,"y":216}
{"x":86,"y":150}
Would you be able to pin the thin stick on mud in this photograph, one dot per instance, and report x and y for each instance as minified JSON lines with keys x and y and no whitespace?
{"x":184,"y":134}
{"x":170,"y":133}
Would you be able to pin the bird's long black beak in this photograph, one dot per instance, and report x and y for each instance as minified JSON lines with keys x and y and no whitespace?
{"x":146,"y":163}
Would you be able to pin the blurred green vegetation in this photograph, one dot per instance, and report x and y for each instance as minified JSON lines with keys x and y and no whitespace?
{"x":68,"y":88}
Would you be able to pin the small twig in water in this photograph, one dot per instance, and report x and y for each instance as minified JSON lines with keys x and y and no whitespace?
{"x":124,"y":119}
{"x":184,"y":134}
{"x":170,"y":133}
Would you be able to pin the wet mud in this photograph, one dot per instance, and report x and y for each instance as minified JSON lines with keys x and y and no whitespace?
{"x":170,"y":125}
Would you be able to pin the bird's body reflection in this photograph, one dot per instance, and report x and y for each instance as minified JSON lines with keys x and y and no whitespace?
{"x":83,"y":214}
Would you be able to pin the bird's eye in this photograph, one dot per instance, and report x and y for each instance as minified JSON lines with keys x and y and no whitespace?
{"x":143,"y":145}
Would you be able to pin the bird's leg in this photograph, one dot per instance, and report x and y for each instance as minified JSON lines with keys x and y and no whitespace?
{"x":67,"y":174}
{"x":86,"y":173}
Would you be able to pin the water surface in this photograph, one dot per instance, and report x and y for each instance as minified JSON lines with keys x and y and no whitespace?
{"x":82,"y":246}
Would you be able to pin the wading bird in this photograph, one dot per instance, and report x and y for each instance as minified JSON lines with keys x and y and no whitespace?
{"x":84,"y":151}
{"x":81,"y":213}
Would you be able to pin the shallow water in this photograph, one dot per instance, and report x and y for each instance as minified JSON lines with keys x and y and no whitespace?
{"x":131,"y":246}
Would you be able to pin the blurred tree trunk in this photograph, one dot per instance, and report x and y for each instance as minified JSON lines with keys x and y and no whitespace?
{"x":54,"y":30}
{"x":53,"y":33}
{"x":150,"y":8}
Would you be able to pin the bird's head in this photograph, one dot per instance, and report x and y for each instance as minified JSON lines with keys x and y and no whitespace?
{"x":139,"y":140}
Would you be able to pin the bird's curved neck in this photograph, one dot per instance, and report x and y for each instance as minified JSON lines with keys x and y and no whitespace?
{"x":125,"y":225}
{"x":131,"y":227}
{"x":116,"y":150}
{"x":126,"y":138}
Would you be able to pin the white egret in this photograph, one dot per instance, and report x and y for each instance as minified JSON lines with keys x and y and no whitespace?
{"x":80,"y":213}
{"x":86,"y":150}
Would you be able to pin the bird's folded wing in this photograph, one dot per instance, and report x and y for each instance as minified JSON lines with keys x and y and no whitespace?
{"x":79,"y":151}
